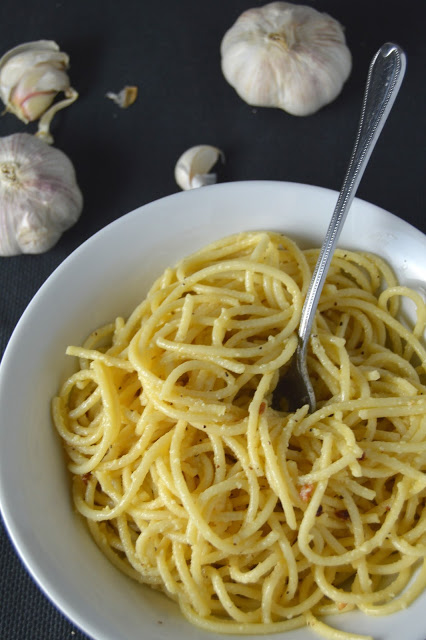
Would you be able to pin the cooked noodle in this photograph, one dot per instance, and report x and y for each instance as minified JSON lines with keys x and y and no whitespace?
{"x":256,"y":520}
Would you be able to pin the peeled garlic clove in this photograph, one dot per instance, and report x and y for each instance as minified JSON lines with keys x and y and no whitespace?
{"x":31,"y":76}
{"x":39,"y":195}
{"x":287,"y":56}
{"x":193,"y":167}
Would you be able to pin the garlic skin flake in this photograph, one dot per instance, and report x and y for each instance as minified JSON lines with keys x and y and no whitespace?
{"x":39,"y":195}
{"x":287,"y":56}
{"x":125,"y":97}
{"x":31,"y":76}
{"x":192,"y":170}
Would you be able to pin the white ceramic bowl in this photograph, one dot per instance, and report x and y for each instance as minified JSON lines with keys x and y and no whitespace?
{"x":105,"y":277}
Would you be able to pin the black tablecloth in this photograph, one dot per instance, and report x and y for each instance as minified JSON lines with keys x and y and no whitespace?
{"x":125,"y":157}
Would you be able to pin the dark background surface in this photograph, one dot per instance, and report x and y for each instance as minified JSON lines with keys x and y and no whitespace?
{"x":126,"y":158}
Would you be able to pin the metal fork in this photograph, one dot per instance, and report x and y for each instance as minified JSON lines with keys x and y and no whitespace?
{"x":384,"y":79}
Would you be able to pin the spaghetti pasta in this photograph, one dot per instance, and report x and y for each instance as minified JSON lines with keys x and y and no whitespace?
{"x":256,"y":520}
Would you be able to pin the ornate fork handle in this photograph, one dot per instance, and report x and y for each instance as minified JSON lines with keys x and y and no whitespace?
{"x":383,"y":82}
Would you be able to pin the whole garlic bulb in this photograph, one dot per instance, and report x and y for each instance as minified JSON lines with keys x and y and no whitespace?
{"x":287,"y":56}
{"x":39,"y":196}
{"x":31,"y":76}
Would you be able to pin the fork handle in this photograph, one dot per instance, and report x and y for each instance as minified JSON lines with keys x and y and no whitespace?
{"x":383,"y":82}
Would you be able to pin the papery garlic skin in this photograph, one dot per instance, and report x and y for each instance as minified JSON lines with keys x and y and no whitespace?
{"x":287,"y":56}
{"x":192,"y":170}
{"x":31,"y":76}
{"x":125,"y":97}
{"x":39,"y":195}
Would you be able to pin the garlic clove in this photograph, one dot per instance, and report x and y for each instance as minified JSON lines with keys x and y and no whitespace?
{"x":39,"y":195}
{"x":20,"y":59}
{"x":192,"y":170}
{"x":29,"y":108}
{"x":288,"y":56}
{"x":31,"y":76}
{"x":26,"y":102}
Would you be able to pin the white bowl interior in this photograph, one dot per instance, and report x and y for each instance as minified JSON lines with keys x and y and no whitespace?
{"x":107,"y":276}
